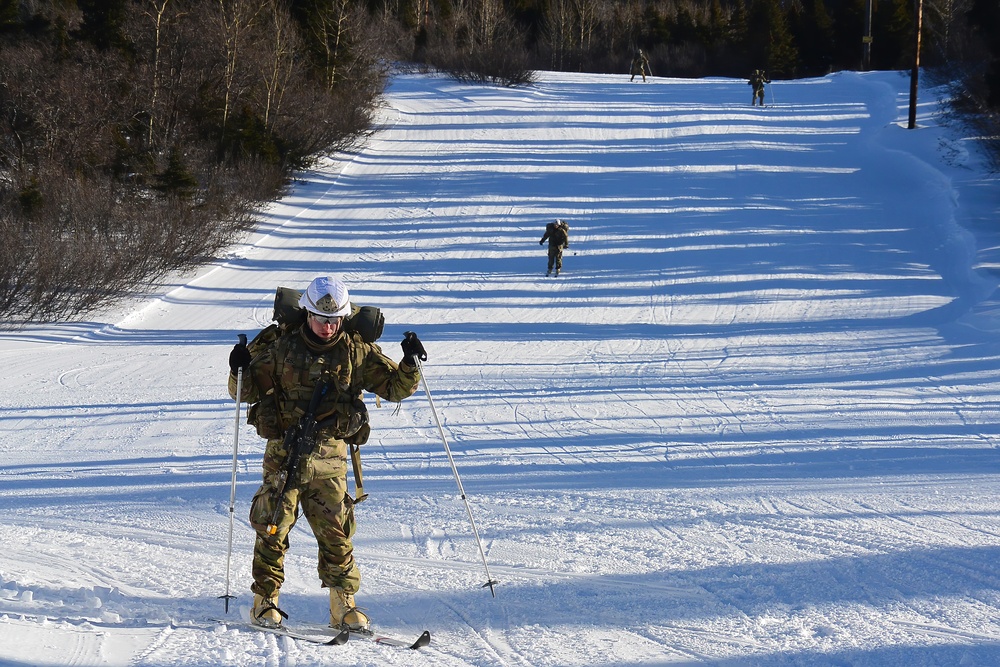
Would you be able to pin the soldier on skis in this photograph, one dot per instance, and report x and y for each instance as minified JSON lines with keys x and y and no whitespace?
{"x":640,"y":65}
{"x":557,"y":234}
{"x":757,"y":81}
{"x":321,"y":369}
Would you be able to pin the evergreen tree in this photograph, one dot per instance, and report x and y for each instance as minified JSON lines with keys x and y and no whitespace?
{"x":685,"y":28}
{"x":848,"y":26}
{"x":984,"y":16}
{"x":739,"y":31}
{"x":812,"y":28}
{"x":893,"y":23}
{"x":769,"y":41}
{"x":10,"y":19}
{"x":176,"y":179}
{"x":103,"y":22}
{"x":717,"y":27}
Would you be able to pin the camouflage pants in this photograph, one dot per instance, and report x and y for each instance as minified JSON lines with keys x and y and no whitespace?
{"x":330,"y":512}
{"x":555,"y":257}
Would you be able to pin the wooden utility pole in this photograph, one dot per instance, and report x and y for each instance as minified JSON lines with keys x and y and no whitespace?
{"x":915,"y":73}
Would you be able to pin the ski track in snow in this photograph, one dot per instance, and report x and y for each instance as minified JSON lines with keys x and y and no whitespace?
{"x":754,"y":422}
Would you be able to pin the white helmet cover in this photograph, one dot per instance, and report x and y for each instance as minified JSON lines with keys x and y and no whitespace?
{"x":327,"y":296}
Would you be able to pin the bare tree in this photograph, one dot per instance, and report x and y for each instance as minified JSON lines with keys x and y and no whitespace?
{"x":235,"y":19}
{"x":157,"y":11}
{"x":587,"y":17}
{"x":559,"y":30}
{"x":330,"y":27}
{"x":490,"y":18}
{"x":277,"y":68}
{"x":108,"y":179}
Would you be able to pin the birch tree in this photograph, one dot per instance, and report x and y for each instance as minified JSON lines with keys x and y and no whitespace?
{"x":235,"y":19}
{"x":277,"y":68}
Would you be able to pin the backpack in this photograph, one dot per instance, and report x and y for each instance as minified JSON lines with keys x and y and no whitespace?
{"x":366,"y":321}
{"x":558,"y":224}
{"x":561,"y":226}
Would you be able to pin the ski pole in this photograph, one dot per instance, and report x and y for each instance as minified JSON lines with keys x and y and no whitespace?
{"x":232,"y":486}
{"x":490,"y":581}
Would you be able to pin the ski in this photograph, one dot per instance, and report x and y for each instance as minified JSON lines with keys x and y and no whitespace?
{"x":423,"y":640}
{"x":313,"y":634}
{"x":325,"y":635}
{"x":369,"y":635}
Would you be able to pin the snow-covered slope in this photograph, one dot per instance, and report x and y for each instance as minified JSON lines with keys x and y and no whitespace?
{"x":753,"y":423}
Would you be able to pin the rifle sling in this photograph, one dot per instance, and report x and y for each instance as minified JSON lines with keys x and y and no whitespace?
{"x":359,"y":488}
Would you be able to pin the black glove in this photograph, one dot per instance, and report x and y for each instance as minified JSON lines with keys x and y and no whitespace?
{"x":240,"y":356}
{"x":542,"y":242}
{"x":412,"y":347}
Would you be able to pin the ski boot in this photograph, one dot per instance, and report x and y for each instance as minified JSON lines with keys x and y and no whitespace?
{"x":344,"y":615}
{"x":265,"y":612}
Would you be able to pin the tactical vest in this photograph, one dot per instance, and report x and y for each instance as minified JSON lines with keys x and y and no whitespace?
{"x":286,"y":372}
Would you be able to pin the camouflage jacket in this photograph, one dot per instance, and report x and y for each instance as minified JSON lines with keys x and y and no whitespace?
{"x":758,"y":79}
{"x":280,"y":382}
{"x":557,"y":235}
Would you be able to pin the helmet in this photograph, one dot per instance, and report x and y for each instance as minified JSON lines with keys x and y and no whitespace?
{"x":327,"y":296}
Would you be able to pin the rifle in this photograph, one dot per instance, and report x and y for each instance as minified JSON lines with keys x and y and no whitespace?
{"x":299,"y":442}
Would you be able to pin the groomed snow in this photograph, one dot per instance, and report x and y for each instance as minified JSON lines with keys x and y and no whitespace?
{"x":755,"y":421}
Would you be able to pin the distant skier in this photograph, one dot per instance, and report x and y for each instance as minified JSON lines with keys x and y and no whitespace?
{"x":557,"y":234}
{"x":306,"y":387}
{"x":640,"y":65}
{"x":757,"y":81}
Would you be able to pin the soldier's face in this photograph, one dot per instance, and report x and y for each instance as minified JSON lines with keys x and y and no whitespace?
{"x":325,"y":328}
